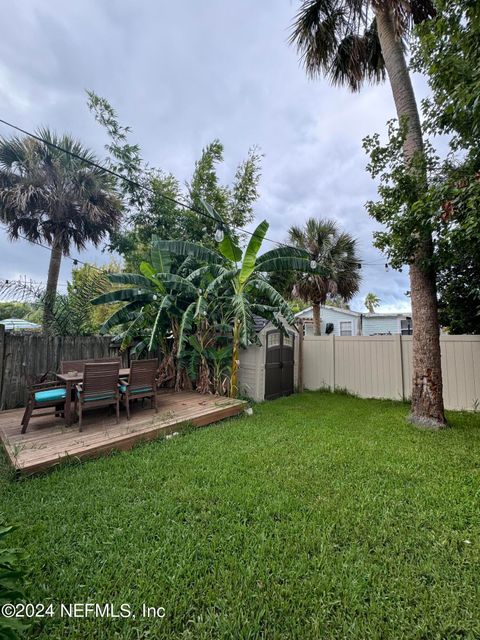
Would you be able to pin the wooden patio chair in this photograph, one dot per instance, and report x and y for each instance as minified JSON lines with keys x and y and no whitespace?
{"x":77,"y":365}
{"x":73,"y":365}
{"x":141,"y":383}
{"x":110,"y":359}
{"x":41,"y":395}
{"x":99,"y":388}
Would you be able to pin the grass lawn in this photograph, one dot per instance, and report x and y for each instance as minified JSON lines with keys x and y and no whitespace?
{"x":321,"y":516}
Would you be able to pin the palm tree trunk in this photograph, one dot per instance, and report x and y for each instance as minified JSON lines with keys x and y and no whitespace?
{"x":52,"y":284}
{"x":316,"y":319}
{"x":427,"y":399}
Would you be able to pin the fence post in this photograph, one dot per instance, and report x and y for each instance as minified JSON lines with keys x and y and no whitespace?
{"x":398,"y":364}
{"x":332,"y":363}
{"x":2,"y":358}
{"x":300,"y":356}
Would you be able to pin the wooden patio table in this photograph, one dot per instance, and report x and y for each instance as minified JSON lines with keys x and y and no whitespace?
{"x":72,"y":378}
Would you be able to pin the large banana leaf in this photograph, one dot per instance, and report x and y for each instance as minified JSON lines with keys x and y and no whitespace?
{"x":213,"y":269}
{"x":161,"y":260}
{"x":250,"y":257}
{"x":228,"y":247}
{"x":243,"y":315}
{"x":185,"y":327}
{"x":290,"y":264}
{"x":283,"y":252}
{"x":201,"y":307}
{"x":124,"y":295}
{"x":147,"y":270}
{"x":183,"y":248}
{"x":164,"y":305}
{"x":177,"y":282}
{"x":275,"y":298}
{"x":224,"y":277}
{"x":121,"y":315}
{"x":129,"y":278}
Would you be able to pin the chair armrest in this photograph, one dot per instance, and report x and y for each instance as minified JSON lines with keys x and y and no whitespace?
{"x":54,"y":384}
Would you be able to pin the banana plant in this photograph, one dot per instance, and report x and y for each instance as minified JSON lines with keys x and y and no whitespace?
{"x":151,"y":298}
{"x":240,"y":281}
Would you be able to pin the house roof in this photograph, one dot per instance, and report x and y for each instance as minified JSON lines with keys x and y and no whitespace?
{"x":388,"y":315}
{"x":356,"y":314}
{"x":305,"y":312}
{"x":18,"y":324}
{"x":259,"y":323}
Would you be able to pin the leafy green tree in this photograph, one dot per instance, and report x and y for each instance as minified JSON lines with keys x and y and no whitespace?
{"x":336,"y":253}
{"x":15,"y":310}
{"x":372,"y":301}
{"x":356,"y":41}
{"x":50,"y":196}
{"x":447,"y":52}
{"x":150,"y":213}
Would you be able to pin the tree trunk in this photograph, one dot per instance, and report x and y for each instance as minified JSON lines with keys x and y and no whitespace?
{"x":52,"y":284}
{"x":235,"y":360}
{"x":316,"y":319}
{"x":427,"y":399}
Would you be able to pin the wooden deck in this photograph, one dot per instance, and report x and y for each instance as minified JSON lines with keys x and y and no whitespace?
{"x":48,"y":442}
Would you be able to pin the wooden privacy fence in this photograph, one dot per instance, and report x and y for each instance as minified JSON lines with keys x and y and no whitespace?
{"x":381,"y":367}
{"x":35,"y":354}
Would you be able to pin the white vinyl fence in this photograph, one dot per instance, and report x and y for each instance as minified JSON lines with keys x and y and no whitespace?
{"x":381,"y":367}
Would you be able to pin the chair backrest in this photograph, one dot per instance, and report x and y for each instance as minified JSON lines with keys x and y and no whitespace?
{"x":142,"y":374}
{"x":72,"y":365}
{"x":100,"y":379}
{"x":77,"y":365}
{"x":112,"y":359}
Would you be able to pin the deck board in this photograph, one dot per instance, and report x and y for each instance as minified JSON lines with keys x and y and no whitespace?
{"x":48,"y":442}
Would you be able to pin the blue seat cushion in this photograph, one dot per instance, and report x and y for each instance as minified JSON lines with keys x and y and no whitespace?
{"x":50,"y":395}
{"x":123,"y":389}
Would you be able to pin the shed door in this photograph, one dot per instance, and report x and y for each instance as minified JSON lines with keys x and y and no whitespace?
{"x":279,"y":361}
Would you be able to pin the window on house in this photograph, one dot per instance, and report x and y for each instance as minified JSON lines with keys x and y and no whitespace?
{"x":406,"y":327}
{"x":346,"y":328}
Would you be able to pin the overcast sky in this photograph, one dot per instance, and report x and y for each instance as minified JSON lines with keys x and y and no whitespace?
{"x":181,"y":74}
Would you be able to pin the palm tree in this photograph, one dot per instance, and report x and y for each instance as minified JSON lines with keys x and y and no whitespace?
{"x":353,"y":41}
{"x":372,"y":301}
{"x":335,"y":252}
{"x":52,"y":196}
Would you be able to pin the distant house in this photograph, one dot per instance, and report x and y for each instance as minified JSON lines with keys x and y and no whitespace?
{"x":19,"y":324}
{"x":353,"y":323}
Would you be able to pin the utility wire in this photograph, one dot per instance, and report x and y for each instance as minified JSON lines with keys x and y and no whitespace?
{"x":134,"y":183}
